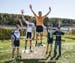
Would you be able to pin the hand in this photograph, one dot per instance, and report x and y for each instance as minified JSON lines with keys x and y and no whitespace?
{"x":50,"y":8}
{"x":30,"y":6}
{"x":22,"y":11}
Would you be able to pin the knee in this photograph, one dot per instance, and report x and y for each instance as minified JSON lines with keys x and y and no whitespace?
{"x":13,"y":49}
{"x":37,"y":34}
{"x":41,"y":34}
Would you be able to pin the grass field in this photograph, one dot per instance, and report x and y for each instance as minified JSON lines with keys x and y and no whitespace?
{"x":69,"y":54}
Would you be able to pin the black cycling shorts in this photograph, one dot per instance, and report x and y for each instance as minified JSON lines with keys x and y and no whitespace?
{"x":29,"y":35}
{"x":16,"y":43}
{"x":39,"y":29}
{"x":50,"y":40}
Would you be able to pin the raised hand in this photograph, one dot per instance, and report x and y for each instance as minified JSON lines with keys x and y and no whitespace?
{"x":50,"y":8}
{"x":30,"y":6}
{"x":22,"y":12}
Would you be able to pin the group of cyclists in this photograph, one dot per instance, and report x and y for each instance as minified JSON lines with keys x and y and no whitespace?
{"x":31,"y":30}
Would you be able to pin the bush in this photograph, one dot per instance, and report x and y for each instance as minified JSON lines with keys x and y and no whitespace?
{"x":73,"y":32}
{"x":5,"y":33}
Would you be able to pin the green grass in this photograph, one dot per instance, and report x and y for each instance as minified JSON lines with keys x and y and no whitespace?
{"x":6,"y":45}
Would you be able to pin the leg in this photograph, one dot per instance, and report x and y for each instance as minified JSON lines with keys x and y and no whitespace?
{"x":25,"y":44}
{"x":17,"y":51}
{"x":41,"y":36}
{"x":36,"y":38}
{"x":47,"y":52}
{"x":55,"y":48}
{"x":59,"y":48}
{"x":13,"y":51}
{"x":30,"y":44}
{"x":37,"y":33}
{"x":47,"y":48}
{"x":50,"y":49}
{"x":59,"y":45}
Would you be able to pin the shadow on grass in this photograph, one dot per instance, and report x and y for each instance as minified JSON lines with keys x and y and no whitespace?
{"x":33,"y":60}
{"x":26,"y":61}
{"x":70,"y":38}
{"x":54,"y":59}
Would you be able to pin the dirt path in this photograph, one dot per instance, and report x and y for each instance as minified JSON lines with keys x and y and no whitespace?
{"x":68,"y":53}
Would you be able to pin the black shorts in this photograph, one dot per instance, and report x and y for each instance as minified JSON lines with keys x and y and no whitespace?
{"x":39,"y":29}
{"x":50,"y":40}
{"x":28,"y":35}
{"x":16,"y":43}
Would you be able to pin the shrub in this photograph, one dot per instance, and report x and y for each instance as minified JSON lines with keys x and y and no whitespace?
{"x":5,"y":33}
{"x":73,"y":32}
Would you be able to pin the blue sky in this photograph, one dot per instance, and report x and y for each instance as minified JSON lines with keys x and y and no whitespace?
{"x":60,"y":8}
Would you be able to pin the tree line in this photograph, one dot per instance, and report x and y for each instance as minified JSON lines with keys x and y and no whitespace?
{"x":11,"y":19}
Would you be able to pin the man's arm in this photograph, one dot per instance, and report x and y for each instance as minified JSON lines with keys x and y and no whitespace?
{"x":24,"y":20}
{"x":48,"y":11}
{"x":32,"y":10}
{"x":22,"y":13}
{"x":20,"y":22}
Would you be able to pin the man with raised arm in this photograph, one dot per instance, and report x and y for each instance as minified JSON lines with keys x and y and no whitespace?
{"x":15,"y":40}
{"x":39,"y":23}
{"x":29,"y":30}
{"x":58,"y":41}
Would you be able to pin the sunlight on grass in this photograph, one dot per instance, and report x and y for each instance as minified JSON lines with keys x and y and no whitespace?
{"x":6,"y":45}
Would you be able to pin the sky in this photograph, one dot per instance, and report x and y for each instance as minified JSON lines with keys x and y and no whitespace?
{"x":60,"y":8}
